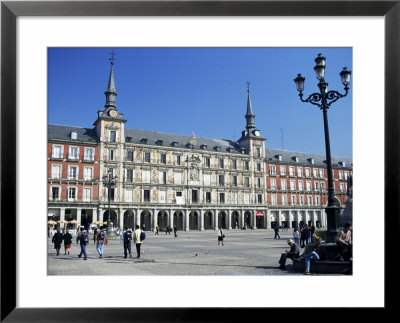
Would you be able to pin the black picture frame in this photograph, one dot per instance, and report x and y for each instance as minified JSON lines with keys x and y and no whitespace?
{"x":10,"y":10}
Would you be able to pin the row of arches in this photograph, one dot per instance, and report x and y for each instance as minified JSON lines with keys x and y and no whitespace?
{"x":195,"y":220}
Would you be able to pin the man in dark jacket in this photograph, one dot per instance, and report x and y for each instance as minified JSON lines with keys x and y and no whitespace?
{"x":276,"y":229}
{"x":292,"y":253}
{"x":57,"y":240}
{"x":83,"y":238}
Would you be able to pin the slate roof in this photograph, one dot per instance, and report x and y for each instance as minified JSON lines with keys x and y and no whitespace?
{"x":64,"y":133}
{"x":182,"y":140}
{"x":271,"y":155}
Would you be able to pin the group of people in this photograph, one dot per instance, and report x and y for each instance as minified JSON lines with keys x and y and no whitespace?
{"x":100,"y":240}
{"x":167,"y":230}
{"x":315,"y":250}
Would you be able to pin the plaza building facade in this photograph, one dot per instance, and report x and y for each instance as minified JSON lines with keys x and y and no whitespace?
{"x":165,"y":179}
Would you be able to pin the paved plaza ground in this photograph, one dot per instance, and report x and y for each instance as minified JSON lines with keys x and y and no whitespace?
{"x":245,"y":252}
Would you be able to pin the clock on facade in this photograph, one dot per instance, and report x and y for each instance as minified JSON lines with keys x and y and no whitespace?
{"x":256,"y":133}
{"x":113,"y":113}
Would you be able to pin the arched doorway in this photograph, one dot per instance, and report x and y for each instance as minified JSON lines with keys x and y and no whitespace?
{"x":193,"y":220}
{"x":178,"y":220}
{"x":129,"y":219}
{"x":86,"y":218}
{"x":222,"y":219}
{"x":247,"y":219}
{"x":235,"y":220}
{"x":145,"y":220}
{"x":113,"y":218}
{"x":208,"y":220}
{"x":162,"y":219}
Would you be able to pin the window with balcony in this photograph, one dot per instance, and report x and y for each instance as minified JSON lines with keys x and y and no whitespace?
{"x":89,"y":154}
{"x":258,"y":167}
{"x":246,"y":165}
{"x":221,"y":163}
{"x":272,"y":170}
{"x":233,"y":164}
{"x":308,"y":186}
{"x":292,"y":185}
{"x":195,"y":196}
{"x":71,"y":193}
{"x":308,"y":172}
{"x":88,"y":173}
{"x":222,"y":197}
{"x":207,"y":162}
{"x":309,"y":200}
{"x":129,"y":175}
{"x":56,"y":171}
{"x":221,"y":180}
{"x":147,"y":157}
{"x":321,"y":173}
{"x":284,"y":200}
{"x":113,"y":135}
{"x":283,"y":185}
{"x":73,"y":153}
{"x":73,"y":172}
{"x":111,"y":154}
{"x":163,"y":158}
{"x":282,"y":170}
{"x":301,"y":186}
{"x":246,"y":182}
{"x":87,"y":194}
{"x":208,"y":197}
{"x":273,"y":183}
{"x":234,"y":180}
{"x":259,"y":198}
{"x":146,"y":195}
{"x":274,"y":199}
{"x":163,"y":177}
{"x":301,"y":200}
{"x":129,"y":156}
{"x":300,"y":171}
{"x":178,"y":160}
{"x":146,"y":176}
{"x":291,"y":171}
{"x":57,"y":151}
{"x":55,"y":193}
{"x":294,"y":200}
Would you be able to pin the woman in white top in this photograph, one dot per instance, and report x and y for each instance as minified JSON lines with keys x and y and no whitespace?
{"x":296,"y":236}
{"x":220,"y":236}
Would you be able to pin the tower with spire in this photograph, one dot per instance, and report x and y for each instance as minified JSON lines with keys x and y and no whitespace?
{"x":110,"y":129}
{"x":251,"y":138}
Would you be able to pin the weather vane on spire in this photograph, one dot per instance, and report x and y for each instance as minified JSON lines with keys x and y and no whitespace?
{"x":248,"y":86}
{"x":112,"y":59}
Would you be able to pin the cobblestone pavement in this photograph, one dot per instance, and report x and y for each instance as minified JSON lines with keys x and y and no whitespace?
{"x":245,"y":252}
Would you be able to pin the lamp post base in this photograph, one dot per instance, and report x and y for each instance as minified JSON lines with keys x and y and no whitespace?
{"x":331,"y":233}
{"x":111,"y":235}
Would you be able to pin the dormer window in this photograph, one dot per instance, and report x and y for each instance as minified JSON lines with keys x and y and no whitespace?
{"x":279,"y":157}
{"x":311,"y":160}
{"x":343,"y":163}
{"x":159,"y":142}
{"x":296,"y":159}
{"x":74,"y":135}
{"x":189,"y":145}
{"x":203,"y":147}
{"x":175,"y":144}
{"x":230,"y":150}
{"x":143,"y":141}
{"x":217,"y":148}
{"x":128,"y":139}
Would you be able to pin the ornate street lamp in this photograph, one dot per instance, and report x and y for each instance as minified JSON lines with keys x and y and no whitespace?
{"x":323,"y":100}
{"x":110,"y":182}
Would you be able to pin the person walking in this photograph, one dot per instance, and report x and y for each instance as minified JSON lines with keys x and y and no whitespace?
{"x":94,"y":235}
{"x":167,"y":230}
{"x":221,"y":236}
{"x":175,"y":231}
{"x":302,"y":237}
{"x":101,"y":238}
{"x":83,"y":239}
{"x":296,"y":236}
{"x":57,"y":240}
{"x":67,"y":237}
{"x":276,"y":229}
{"x":126,"y":238}
{"x":157,"y":229}
{"x":136,"y":240}
{"x":292,"y":253}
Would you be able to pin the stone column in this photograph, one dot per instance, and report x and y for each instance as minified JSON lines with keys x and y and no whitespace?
{"x":79,"y":216}
{"x":254,"y":219}
{"x":121,"y":218}
{"x":241,"y":219}
{"x":62,"y":216}
{"x":215,"y":219}
{"x":268,"y":215}
{"x":229,"y":219}
{"x":186,"y":219}
{"x":278,"y":220}
{"x":201,"y":219}
{"x":155,"y":220}
{"x":94,"y":215}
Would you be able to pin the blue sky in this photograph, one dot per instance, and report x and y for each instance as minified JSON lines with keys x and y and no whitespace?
{"x":203,"y":90}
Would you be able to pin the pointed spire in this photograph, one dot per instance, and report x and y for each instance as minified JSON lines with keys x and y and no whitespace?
{"x":111,"y":93}
{"x":249,"y":114}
